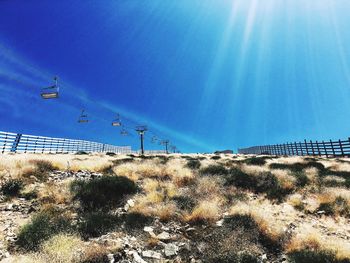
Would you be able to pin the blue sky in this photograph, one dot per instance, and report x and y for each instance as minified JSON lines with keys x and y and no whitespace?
{"x":205,"y":74}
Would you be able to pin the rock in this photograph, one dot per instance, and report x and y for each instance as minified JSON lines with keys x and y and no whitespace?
{"x":321,"y":212}
{"x":164,"y":236}
{"x":148,"y":229}
{"x":111,"y":258}
{"x":220,"y":222}
{"x":137,"y":258}
{"x":264,"y":258}
{"x":151,"y":254}
{"x":131,"y":203}
{"x":170,"y":250}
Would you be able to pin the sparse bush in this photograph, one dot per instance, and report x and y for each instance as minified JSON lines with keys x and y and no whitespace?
{"x":302,"y":179}
{"x":239,"y":178}
{"x":298,"y":167}
{"x":61,"y":248}
{"x":184,"y":202}
{"x":214,"y":170}
{"x":30,"y":195}
{"x":235,"y":257}
{"x":110,"y":154}
{"x":193,"y":164}
{"x":41,"y":171}
{"x":95,"y":254}
{"x":338,"y":206}
{"x":96,"y":224}
{"x":312,"y":256}
{"x":11,"y":187}
{"x":43,"y":226}
{"x":136,"y":220}
{"x":81,"y":153}
{"x":269,"y":184}
{"x":215,"y":157}
{"x":121,"y":161}
{"x":256,"y":161}
{"x":102,"y":193}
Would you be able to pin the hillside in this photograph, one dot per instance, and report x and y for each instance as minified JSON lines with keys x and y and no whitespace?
{"x":174,"y":208}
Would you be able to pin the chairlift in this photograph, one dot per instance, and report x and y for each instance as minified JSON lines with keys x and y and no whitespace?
{"x":52,"y":91}
{"x":154,"y":139}
{"x":116,"y":122}
{"x":83,"y":117}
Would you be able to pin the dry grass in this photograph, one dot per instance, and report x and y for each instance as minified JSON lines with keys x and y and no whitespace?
{"x":312,"y":240}
{"x":263,"y":216}
{"x":52,"y":193}
{"x":205,"y":211}
{"x":171,"y":191}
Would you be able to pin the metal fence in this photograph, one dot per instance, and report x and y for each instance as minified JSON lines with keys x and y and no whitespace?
{"x":16,"y":142}
{"x":339,"y":148}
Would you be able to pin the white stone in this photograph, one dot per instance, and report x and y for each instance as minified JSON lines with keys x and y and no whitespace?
{"x":220,"y":222}
{"x":164,"y":236}
{"x":151,"y":254}
{"x":148,"y":229}
{"x":137,"y":257}
{"x":170,"y":250}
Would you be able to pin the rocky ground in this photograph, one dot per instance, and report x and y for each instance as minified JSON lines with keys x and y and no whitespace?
{"x":174,"y":240}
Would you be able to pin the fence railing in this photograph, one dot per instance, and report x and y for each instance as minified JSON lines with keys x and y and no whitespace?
{"x":151,"y":152}
{"x":339,"y":148}
{"x":16,"y":142}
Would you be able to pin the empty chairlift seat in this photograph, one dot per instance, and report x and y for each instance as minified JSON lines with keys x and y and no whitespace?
{"x":83,"y":118}
{"x":51,"y":92}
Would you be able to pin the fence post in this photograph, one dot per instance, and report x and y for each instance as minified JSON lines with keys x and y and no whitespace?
{"x":332,"y":148}
{"x":318,"y":149}
{"x":15,"y":143}
{"x":301,"y":149}
{"x":325,"y":149}
{"x":296,"y":148}
{"x":341,"y":148}
{"x":312,"y":148}
{"x":307,"y":149}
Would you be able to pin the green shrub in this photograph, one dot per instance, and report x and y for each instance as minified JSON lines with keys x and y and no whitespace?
{"x":42,"y":226}
{"x":302,"y":179}
{"x":298,"y":167}
{"x":41,"y":171}
{"x":121,"y":161}
{"x":251,"y":227}
{"x":95,"y":224}
{"x":347,"y":182}
{"x":81,"y":153}
{"x":136,"y":221}
{"x":193,"y":164}
{"x":312,"y":256}
{"x":102,"y":193}
{"x":269,"y":184}
{"x":338,"y":206}
{"x":11,"y":187}
{"x":215,"y":157}
{"x":30,"y":195}
{"x":256,"y":161}
{"x":110,"y":154}
{"x":214,"y":170}
{"x":240,"y":179}
{"x":184,"y":202}
{"x":233,"y":257}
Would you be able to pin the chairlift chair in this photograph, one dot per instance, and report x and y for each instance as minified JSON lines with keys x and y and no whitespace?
{"x":117,"y":122}
{"x":52,"y":91}
{"x":154,"y":139}
{"x":83,"y":117}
